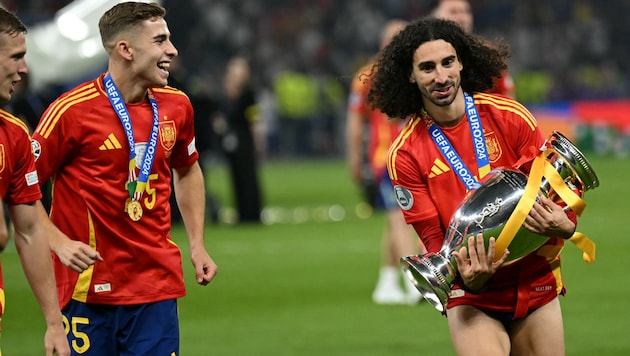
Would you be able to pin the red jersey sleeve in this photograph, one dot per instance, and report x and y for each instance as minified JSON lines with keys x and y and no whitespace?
{"x":18,"y":175}
{"x":412,"y":190}
{"x":185,"y":150}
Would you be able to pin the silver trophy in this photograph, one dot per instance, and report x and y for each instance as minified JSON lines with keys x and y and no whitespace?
{"x":486,"y":210}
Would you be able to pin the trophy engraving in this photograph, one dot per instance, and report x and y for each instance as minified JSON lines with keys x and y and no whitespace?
{"x":489,"y":210}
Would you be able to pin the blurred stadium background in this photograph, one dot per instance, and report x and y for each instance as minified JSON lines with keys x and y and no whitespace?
{"x":300,"y":284}
{"x":568,"y":62}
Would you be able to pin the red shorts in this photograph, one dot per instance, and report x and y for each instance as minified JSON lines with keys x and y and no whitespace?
{"x":518,"y":288}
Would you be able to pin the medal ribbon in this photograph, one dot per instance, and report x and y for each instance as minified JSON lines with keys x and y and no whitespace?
{"x":479,"y":142}
{"x":577,"y":205}
{"x":524,"y":205}
{"x":135,"y":184}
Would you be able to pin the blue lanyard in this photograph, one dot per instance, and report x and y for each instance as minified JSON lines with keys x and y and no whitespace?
{"x":135,"y":186}
{"x":479,"y":142}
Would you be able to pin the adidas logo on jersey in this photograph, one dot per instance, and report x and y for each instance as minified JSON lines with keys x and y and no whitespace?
{"x":438,"y":168}
{"x":111,"y":143}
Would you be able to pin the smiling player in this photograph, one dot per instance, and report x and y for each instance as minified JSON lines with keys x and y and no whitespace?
{"x":112,"y":147}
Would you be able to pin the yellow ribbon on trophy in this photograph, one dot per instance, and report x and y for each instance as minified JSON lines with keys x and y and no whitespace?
{"x":542,"y":168}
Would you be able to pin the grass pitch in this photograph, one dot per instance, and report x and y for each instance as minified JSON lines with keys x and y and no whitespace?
{"x":303,"y":287}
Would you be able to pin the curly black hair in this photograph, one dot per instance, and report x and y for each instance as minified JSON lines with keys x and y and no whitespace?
{"x":393,"y":94}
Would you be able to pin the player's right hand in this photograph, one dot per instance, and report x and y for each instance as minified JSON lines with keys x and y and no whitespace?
{"x":77,"y":255}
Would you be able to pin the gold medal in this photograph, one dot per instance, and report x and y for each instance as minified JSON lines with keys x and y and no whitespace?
{"x":134,"y":209}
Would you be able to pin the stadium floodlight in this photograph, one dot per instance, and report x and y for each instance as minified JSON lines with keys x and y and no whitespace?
{"x":67,"y":48}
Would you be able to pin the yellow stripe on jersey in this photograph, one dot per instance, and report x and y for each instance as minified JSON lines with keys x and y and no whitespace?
{"x":81,"y":94}
{"x":398,"y":142}
{"x":2,"y":301}
{"x":53,"y":109}
{"x":82,"y":287}
{"x":169,"y":90}
{"x":507,"y":105}
{"x":14,"y":120}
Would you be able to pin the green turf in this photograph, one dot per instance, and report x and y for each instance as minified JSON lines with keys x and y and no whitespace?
{"x":304,"y":288}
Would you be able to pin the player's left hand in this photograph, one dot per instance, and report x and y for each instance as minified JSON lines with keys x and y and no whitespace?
{"x":549,"y":219}
{"x":205,"y":268}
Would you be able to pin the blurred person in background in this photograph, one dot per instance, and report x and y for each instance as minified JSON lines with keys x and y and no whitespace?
{"x":26,"y":104}
{"x":460,"y":12}
{"x":397,"y":240}
{"x":438,"y":74}
{"x":4,"y":226}
{"x":237,"y":125}
{"x":297,"y":99}
{"x":20,"y":190}
{"x":204,"y":104}
{"x":112,"y":146}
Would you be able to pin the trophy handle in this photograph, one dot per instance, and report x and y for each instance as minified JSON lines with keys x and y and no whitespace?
{"x":574,"y":163}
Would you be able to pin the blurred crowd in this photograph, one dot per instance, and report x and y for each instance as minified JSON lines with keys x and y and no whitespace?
{"x":302,"y":54}
{"x":562,"y":49}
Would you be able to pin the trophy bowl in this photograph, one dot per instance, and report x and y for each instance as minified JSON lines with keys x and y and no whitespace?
{"x":487,"y":209}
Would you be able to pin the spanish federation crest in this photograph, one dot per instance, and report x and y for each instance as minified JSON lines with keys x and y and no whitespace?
{"x":494,"y":148}
{"x":168,"y":135}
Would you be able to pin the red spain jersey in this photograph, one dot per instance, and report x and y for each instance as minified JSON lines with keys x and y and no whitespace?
{"x":429,"y":192}
{"x":382,"y":129}
{"x":81,"y":145}
{"x":18,"y":177}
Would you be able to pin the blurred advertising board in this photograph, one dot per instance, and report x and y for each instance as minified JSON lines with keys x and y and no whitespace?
{"x":597,"y":126}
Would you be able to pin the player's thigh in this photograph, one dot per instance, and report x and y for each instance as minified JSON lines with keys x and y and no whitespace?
{"x":90,"y":329}
{"x":541,"y":333}
{"x":475,"y":333}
